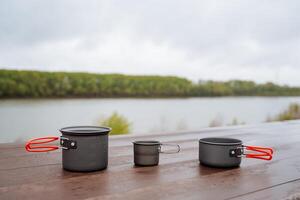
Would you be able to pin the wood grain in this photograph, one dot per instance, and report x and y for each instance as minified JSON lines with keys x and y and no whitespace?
{"x":179,"y":176}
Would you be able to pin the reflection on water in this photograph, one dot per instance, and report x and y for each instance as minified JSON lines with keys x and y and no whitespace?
{"x":23,"y":119}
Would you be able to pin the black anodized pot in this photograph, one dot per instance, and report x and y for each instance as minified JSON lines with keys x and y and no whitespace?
{"x":228,"y":152}
{"x":84,"y":148}
{"x":91,"y":151}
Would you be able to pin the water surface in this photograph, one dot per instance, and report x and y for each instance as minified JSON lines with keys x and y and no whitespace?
{"x":23,"y":119}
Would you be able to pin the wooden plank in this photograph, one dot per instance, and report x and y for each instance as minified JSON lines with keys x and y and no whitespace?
{"x":288,"y":191}
{"x":224,"y":185}
{"x":135,"y":177}
{"x":27,"y":174}
{"x":139,"y":183}
{"x":37,"y":176}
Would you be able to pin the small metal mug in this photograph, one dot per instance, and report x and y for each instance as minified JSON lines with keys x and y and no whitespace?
{"x":146,"y":153}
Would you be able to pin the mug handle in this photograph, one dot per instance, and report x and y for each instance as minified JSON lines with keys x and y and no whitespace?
{"x":170,"y":151}
{"x":31,"y":145}
{"x":263,"y":153}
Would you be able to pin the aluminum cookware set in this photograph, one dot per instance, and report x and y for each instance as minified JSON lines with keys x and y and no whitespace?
{"x":85,"y":148}
{"x":228,"y":152}
{"x":146,"y":153}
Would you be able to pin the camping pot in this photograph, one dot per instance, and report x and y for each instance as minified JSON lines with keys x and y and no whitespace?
{"x":84,"y":148}
{"x":146,"y":153}
{"x":228,"y":152}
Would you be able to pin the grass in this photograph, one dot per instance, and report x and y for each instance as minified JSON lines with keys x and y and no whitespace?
{"x":290,"y":113}
{"x":119,"y":124}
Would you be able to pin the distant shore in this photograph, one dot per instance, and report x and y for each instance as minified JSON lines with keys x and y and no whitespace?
{"x":37,"y":84}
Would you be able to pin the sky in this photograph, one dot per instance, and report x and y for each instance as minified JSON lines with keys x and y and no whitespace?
{"x":255,"y":40}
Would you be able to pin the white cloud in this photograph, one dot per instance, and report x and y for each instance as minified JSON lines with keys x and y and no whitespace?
{"x":257,"y":40}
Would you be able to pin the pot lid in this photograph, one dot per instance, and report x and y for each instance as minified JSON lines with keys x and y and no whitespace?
{"x":85,"y":130}
{"x":147,"y":142}
{"x":221,"y":141}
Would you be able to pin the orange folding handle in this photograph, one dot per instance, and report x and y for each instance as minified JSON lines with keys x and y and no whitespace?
{"x":34,"y":144}
{"x":264,"y":153}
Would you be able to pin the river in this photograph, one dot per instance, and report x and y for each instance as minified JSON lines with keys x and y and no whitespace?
{"x":22,"y":119}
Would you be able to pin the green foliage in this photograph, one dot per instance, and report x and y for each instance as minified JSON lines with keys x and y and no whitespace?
{"x":118,"y":123}
{"x":291,"y":113}
{"x":14,"y":84}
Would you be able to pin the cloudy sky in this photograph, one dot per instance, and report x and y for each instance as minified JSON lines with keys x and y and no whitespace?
{"x":219,"y":40}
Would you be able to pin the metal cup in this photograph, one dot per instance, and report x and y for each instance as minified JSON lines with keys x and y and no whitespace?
{"x":146,"y":153}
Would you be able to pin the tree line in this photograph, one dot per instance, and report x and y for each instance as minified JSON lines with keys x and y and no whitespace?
{"x":37,"y":84}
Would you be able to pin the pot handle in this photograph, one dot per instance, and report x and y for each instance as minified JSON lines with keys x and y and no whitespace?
{"x":31,"y":144}
{"x":264,"y":153}
{"x":169,"y":151}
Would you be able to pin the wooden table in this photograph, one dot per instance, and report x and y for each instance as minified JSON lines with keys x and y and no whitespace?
{"x":179,"y":176}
